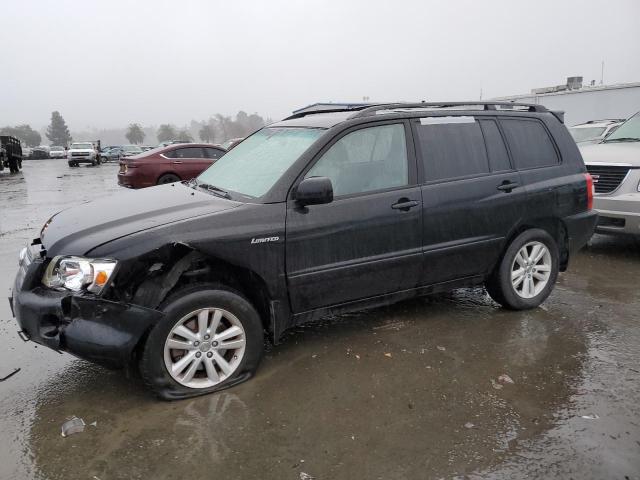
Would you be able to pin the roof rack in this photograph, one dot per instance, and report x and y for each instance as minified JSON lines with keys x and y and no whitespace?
{"x":401,"y":107}
{"x":367,"y":109}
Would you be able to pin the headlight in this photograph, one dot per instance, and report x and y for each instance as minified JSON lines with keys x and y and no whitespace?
{"x":78,"y":273}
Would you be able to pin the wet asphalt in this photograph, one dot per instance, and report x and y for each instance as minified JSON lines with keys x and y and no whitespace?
{"x":410,"y":391}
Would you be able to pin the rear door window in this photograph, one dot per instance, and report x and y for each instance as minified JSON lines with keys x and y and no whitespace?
{"x":451,"y":147}
{"x":530,"y":144}
{"x":189,"y":152}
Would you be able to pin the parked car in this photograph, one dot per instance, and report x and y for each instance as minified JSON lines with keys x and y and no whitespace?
{"x":232,"y":142}
{"x":169,"y":164}
{"x":82,"y":152}
{"x":614,"y":165}
{"x":171,"y":142}
{"x":38,"y":153}
{"x":57,"y":152}
{"x":321,"y":213}
{"x":116,"y":153}
{"x":594,"y":131}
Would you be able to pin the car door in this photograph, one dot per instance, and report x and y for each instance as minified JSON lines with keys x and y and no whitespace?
{"x":367,"y":241}
{"x":472,"y":196}
{"x":188,"y":162}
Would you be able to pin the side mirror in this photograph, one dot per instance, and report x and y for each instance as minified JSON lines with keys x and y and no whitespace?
{"x":314,"y":191}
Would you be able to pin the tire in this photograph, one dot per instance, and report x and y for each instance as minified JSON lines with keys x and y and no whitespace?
{"x":536,"y":279}
{"x":73,"y":164}
{"x":168,"y":178}
{"x":13,"y":166}
{"x":183,"y":309}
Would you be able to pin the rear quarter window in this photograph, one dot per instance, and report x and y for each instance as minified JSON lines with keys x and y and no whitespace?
{"x":529,"y":143}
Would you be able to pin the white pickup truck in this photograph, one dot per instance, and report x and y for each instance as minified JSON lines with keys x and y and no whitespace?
{"x":82,"y":152}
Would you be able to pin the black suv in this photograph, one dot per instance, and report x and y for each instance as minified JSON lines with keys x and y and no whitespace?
{"x":324,"y":212}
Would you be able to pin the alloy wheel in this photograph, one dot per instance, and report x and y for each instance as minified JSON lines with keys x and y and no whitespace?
{"x":531,"y":269}
{"x":204,"y":348}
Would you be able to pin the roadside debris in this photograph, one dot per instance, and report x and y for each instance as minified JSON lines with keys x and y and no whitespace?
{"x":10,"y":375}
{"x":495,"y":384}
{"x":504,"y":378}
{"x":306,"y":476}
{"x":388,"y":354}
{"x":75,"y":425}
{"x":442,"y":349}
{"x":469,"y":425}
{"x":590,"y":417}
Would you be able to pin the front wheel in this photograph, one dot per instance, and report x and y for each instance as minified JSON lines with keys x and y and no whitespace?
{"x":210,"y":338}
{"x":527,"y":272}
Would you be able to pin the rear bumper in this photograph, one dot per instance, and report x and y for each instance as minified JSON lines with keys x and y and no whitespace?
{"x":580,"y":228}
{"x":133,"y":181}
{"x":618,"y":214}
{"x":89,"y":327}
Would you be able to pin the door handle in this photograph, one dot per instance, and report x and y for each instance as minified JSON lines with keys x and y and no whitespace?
{"x":177,"y":161}
{"x":507,"y":186}
{"x":405,"y":204}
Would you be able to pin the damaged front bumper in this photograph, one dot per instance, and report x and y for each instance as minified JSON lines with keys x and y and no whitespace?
{"x":85,"y":325}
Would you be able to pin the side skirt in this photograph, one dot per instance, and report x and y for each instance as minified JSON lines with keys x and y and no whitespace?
{"x":382,"y":300}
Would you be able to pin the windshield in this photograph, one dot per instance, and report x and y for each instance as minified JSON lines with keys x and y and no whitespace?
{"x":131,"y":148}
{"x":82,"y":146}
{"x":56,"y":149}
{"x":629,"y":131}
{"x":255,"y":165}
{"x":582,"y":134}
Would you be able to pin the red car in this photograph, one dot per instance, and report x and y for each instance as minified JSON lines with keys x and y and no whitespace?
{"x":173,"y":163}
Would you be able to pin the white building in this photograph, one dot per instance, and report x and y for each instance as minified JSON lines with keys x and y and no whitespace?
{"x":582,"y":103}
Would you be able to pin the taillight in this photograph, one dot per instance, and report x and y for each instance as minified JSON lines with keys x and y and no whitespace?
{"x":590,"y":190}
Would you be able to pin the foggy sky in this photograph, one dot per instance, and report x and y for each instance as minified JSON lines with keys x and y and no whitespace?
{"x":110,"y":63}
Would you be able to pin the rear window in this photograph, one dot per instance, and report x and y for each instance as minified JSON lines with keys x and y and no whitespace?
{"x":529,"y":143}
{"x":451,"y":147}
{"x":213,"y":152}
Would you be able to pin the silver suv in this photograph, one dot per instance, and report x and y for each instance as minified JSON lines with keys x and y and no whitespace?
{"x":614,"y":165}
{"x":594,"y":131}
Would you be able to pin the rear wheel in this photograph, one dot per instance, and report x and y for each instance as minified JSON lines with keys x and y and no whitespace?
{"x":168,"y":178}
{"x":210,"y":338}
{"x":527,"y":272}
{"x":13,"y":166}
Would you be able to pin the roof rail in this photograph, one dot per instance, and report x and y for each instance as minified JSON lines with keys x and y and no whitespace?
{"x":374,"y":109}
{"x":327,"y":108}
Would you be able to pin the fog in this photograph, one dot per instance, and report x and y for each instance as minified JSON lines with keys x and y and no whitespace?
{"x":107,"y":64}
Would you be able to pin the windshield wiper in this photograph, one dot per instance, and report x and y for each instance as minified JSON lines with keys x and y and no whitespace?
{"x":623,"y":139}
{"x":213,"y":189}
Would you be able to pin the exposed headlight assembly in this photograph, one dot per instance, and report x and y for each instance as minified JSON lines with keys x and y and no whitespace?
{"x":78,"y":273}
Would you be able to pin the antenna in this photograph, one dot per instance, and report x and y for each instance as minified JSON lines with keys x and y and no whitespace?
{"x":602,"y":73}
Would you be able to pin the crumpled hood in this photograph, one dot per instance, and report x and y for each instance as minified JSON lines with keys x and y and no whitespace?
{"x":79,"y":229}
{"x":620,"y":152}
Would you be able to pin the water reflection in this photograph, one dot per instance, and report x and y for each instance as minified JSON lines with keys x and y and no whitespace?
{"x":384,"y":393}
